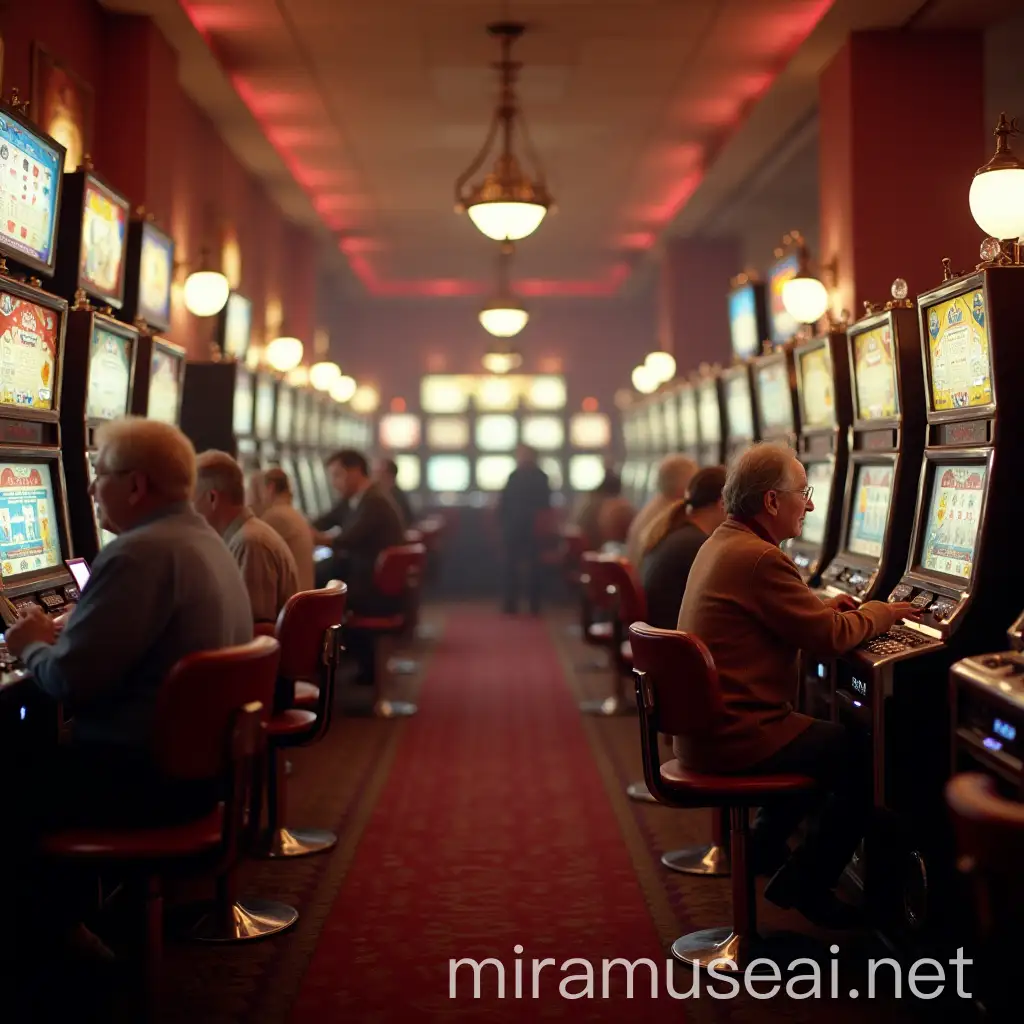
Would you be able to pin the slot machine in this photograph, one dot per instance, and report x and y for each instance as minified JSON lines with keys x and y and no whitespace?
{"x":823,"y":396}
{"x":284,"y":435}
{"x":689,"y":424}
{"x":893,"y":688}
{"x":100,"y":351}
{"x":401,"y":436}
{"x":710,"y":416}
{"x":748,"y":325}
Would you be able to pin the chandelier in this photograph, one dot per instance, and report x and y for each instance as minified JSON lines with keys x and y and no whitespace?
{"x":504,"y":316}
{"x":506,"y":205}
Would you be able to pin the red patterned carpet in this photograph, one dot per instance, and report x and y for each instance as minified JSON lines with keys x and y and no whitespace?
{"x":493,"y":829}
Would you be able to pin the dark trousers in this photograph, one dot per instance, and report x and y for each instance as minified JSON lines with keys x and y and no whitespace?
{"x":522,"y":559}
{"x":837,"y":813}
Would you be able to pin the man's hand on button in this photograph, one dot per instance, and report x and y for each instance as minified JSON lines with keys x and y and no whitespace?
{"x":33,"y":626}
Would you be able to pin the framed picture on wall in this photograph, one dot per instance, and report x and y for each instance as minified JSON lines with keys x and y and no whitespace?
{"x":62,"y":105}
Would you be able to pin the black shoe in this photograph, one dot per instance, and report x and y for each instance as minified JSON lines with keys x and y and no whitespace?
{"x":820,"y":906}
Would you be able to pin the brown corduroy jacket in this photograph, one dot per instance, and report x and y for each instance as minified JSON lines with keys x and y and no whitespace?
{"x":745,"y":599}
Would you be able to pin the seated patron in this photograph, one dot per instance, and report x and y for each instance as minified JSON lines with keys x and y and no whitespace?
{"x":672,"y":541}
{"x":674,"y":475}
{"x":268,"y":567}
{"x":279,"y":511}
{"x":605,"y":515}
{"x":746,"y":601}
{"x":386,"y":475}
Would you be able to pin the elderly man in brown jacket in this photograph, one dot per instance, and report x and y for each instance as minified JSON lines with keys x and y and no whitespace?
{"x":746,"y":600}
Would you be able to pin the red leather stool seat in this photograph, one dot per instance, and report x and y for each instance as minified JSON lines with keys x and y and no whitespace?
{"x":290,"y":722}
{"x":307,"y":695}
{"x":723,"y":789}
{"x":157,"y":843}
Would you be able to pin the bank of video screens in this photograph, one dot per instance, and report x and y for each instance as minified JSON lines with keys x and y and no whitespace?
{"x":954,"y":513}
{"x":876,"y":395}
{"x":590,"y":430}
{"x":958,"y":355}
{"x":585,"y":472}
{"x":819,"y":476}
{"x":688,"y":419}
{"x":29,"y":537}
{"x":708,"y":413}
{"x":28,"y":352}
{"x":448,"y":433}
{"x":447,"y":474}
{"x":443,"y":395}
{"x":236,"y":326}
{"x":496,"y":432}
{"x":263,"y":420}
{"x":545,"y":392}
{"x":774,"y":396}
{"x":110,"y":373}
{"x":492,"y":471}
{"x":544,"y":433}
{"x":408,"y":478}
{"x":738,"y":407}
{"x":285,"y":413}
{"x":400,"y":431}
{"x":872,"y":493}
{"x":242,"y":405}
{"x":104,"y":246}
{"x":816,"y":397}
{"x":744,"y":328}
{"x":165,"y":379}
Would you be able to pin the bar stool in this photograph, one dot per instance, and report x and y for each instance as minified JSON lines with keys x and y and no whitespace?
{"x":309,"y":632}
{"x":433,"y":529}
{"x":209,"y":724}
{"x":397,"y":576}
{"x":678,"y":694}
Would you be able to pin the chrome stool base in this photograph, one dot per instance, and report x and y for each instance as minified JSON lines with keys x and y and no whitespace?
{"x":711,"y":860}
{"x":639,"y":791}
{"x":731,"y":953}
{"x":394,"y":709}
{"x":248,"y":920}
{"x":300,"y":842}
{"x":608,"y":707}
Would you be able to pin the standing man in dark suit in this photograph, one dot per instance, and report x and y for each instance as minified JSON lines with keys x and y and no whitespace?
{"x":527,"y":493}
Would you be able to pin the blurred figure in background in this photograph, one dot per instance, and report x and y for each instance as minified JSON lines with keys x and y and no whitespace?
{"x":279,"y":511}
{"x":386,"y":476}
{"x":255,"y":493}
{"x":674,"y":475}
{"x":671,"y":542}
{"x":527,"y":493}
{"x":605,"y":514}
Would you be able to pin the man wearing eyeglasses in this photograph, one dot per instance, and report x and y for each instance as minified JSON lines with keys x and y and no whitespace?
{"x":745,"y":599}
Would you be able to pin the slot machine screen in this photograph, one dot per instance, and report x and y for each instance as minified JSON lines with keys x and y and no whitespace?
{"x":443,"y":395}
{"x":958,"y":356}
{"x":496,"y":433}
{"x":105,"y":536}
{"x":236,"y":326}
{"x":496,"y":394}
{"x":307,"y":486}
{"x":872,"y":492}
{"x":670,"y":416}
{"x":289,"y":467}
{"x":819,"y":476}
{"x":492,"y":471}
{"x":448,"y":433}
{"x":657,"y":425}
{"x":400,"y":431}
{"x":774,"y":396}
{"x":301,"y":415}
{"x":166,"y":372}
{"x":408,"y":478}
{"x":101,"y":256}
{"x":31,"y":174}
{"x":553,"y":468}
{"x":590,"y":430}
{"x":782,"y":324}
{"x":688,"y":419}
{"x":156,"y":271}
{"x":29,"y":536}
{"x":544,"y":433}
{"x":708,"y":413}
{"x":743,"y":325}
{"x":263,"y":420}
{"x":874,"y":374}
{"x":242,"y":405}
{"x":110,"y":374}
{"x":285,"y":413}
{"x":324,"y":493}
{"x":546,"y":392}
{"x":817,"y":403}
{"x":950,"y":532}
{"x":585,"y":472}
{"x":738,"y":406}
{"x":448,"y":474}
{"x":28,"y":353}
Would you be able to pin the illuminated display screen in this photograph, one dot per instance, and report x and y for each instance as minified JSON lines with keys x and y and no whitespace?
{"x":242,"y":407}
{"x":590,"y":430}
{"x":307,"y":485}
{"x":958,"y":356}
{"x":448,"y":474}
{"x":31,"y":169}
{"x":156,"y":270}
{"x":553,"y":469}
{"x":443,"y":395}
{"x":301,"y":415}
{"x":110,"y":372}
{"x":783,"y":326}
{"x":708,"y":413}
{"x":166,"y":371}
{"x":688,"y":420}
{"x":28,"y":346}
{"x":817,"y":400}
{"x":29,"y":539}
{"x":585,"y":472}
{"x":738,"y":406}
{"x":657,"y":424}
{"x":545,"y":433}
{"x":819,"y":476}
{"x":874,"y":374}
{"x":492,"y":471}
{"x":774,"y":396}
{"x":546,"y":393}
{"x":324,"y":492}
{"x":449,"y":433}
{"x":237,"y":326}
{"x":496,"y":433}
{"x":670,"y":415}
{"x":743,"y":326}
{"x":872,"y":492}
{"x":954,"y":512}
{"x":285,"y":411}
{"x":263,"y":422}
{"x":497,"y":394}
{"x":399,"y":431}
{"x":101,"y":257}
{"x":408,"y":478}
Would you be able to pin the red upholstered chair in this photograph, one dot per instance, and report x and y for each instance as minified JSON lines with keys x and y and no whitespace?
{"x":678,"y":694}
{"x":234,"y":691}
{"x":398,"y":576}
{"x":309,"y":631}
{"x":613,"y":586}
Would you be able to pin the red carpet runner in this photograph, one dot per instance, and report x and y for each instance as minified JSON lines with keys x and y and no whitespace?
{"x":492,"y":830}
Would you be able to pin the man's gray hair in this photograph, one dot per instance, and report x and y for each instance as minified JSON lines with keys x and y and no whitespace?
{"x":158,"y":450}
{"x":758,"y":470}
{"x":217,"y":471}
{"x":674,"y":475}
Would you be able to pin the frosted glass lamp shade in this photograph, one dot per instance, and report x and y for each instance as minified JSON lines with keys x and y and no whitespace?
{"x":997,"y":202}
{"x":284,"y":354}
{"x":506,"y":221}
{"x":805,"y":299}
{"x":206,"y":293}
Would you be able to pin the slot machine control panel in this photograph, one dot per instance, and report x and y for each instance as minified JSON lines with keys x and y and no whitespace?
{"x":936,"y":611}
{"x":54,"y":601}
{"x":847,"y":579}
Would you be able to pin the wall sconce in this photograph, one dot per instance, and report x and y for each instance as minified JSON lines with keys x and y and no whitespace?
{"x":662,"y":365}
{"x":997,"y":198}
{"x":343,"y":389}
{"x":206,"y":291}
{"x":366,"y":399}
{"x":804,"y":295}
{"x":324,"y":375}
{"x":284,"y":353}
{"x":644,"y":379}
